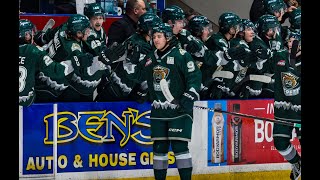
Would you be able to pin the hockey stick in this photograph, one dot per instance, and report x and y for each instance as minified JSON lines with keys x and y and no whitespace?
{"x":260,"y":78}
{"x":48,"y":25}
{"x":223,"y":74}
{"x":296,"y":125}
{"x":167,"y":94}
{"x":253,"y":77}
{"x":166,"y":91}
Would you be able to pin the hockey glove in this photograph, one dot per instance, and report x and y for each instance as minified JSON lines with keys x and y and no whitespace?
{"x":250,"y":58}
{"x":134,"y":57}
{"x":187,"y":100}
{"x":263,"y":53}
{"x":193,"y":47}
{"x":38,"y":38}
{"x":108,"y":55}
{"x":235,"y":53}
{"x":139,"y":94}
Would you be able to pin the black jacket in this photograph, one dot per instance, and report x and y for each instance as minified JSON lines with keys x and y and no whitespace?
{"x":121,"y":29}
{"x":256,"y":10}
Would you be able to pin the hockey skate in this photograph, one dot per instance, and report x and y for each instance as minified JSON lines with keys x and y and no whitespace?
{"x":296,"y":171}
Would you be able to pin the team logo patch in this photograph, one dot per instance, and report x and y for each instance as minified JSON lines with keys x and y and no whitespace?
{"x":290,"y":84}
{"x":281,"y":63}
{"x":159,"y":72}
{"x":170,"y":60}
{"x":182,"y":51}
{"x":75,"y":46}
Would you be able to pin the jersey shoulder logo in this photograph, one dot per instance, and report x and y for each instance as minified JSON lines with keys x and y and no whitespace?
{"x":170,"y":60}
{"x":182,"y":51}
{"x":281,"y":63}
{"x":75,"y":47}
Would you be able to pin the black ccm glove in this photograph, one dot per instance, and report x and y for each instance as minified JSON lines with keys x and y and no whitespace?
{"x":263,"y":53}
{"x":235,"y":53}
{"x":193,"y":47}
{"x":108,"y":55}
{"x":134,"y":56}
{"x":38,"y":38}
{"x":186,"y":101}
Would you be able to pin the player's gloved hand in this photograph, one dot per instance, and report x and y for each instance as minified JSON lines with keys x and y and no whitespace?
{"x":38,"y":38}
{"x":235,"y":53}
{"x":250,"y":58}
{"x":138,"y":49}
{"x":108,"y":55}
{"x":193,"y":47}
{"x":263,"y":53}
{"x":84,"y":60}
{"x":186,"y":101}
{"x":139,"y":93}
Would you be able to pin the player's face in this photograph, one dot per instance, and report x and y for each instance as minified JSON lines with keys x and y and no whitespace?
{"x":96,"y":22}
{"x":29,"y":37}
{"x":272,"y":33}
{"x":234,"y":30}
{"x":159,"y":40}
{"x":279,"y":14}
{"x":249,"y":34}
{"x":178,"y":26}
{"x":83,"y":35}
{"x":207,"y":31}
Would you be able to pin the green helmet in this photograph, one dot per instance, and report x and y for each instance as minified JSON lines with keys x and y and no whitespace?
{"x":163,"y":28}
{"x":246,"y":23}
{"x":172,"y":13}
{"x":272,"y":6}
{"x":147,"y":21}
{"x":295,"y":18}
{"x":76,"y":23}
{"x":228,"y":20}
{"x":266,"y":22}
{"x":93,"y":9}
{"x":197,"y":24}
{"x":296,"y":35}
{"x":25,"y":26}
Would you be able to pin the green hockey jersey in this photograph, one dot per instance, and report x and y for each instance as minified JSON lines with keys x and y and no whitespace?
{"x":178,"y":68}
{"x":33,"y":60}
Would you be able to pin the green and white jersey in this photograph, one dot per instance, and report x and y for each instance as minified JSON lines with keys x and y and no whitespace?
{"x":33,"y":60}
{"x":178,"y":68}
{"x":87,"y":70}
{"x":95,"y":42}
{"x":287,"y":94}
{"x":185,"y":37}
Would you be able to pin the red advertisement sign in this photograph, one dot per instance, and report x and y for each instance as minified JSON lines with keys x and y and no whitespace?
{"x":41,"y":19}
{"x":250,"y":140}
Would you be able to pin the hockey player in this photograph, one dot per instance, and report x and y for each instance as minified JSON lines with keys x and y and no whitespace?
{"x":219,"y":43}
{"x":171,"y":122}
{"x":33,"y":59}
{"x":175,"y":17}
{"x":96,"y":39}
{"x":67,"y":43}
{"x":254,"y":65}
{"x":201,"y":28}
{"x":287,"y":95}
{"x":276,"y":8}
{"x":138,"y":45}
